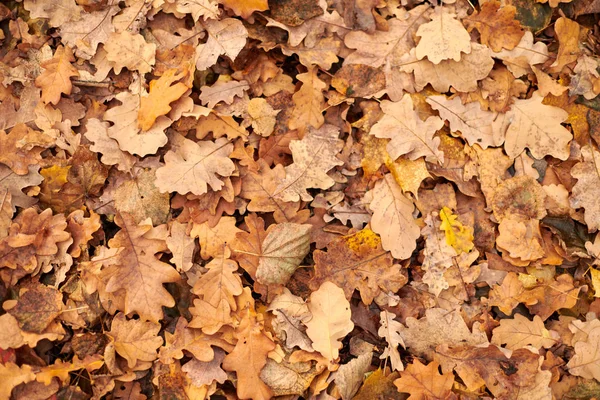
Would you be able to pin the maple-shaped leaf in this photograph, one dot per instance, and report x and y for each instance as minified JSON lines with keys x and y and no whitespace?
{"x":439,"y":326}
{"x":125,"y":129}
{"x":139,"y":273}
{"x":193,"y":166}
{"x":11,"y":376}
{"x":425,"y":382}
{"x":314,"y":156}
{"x":131,"y":51}
{"x":386,"y":48}
{"x":536,"y":126}
{"x":21,"y":148}
{"x":249,"y":357}
{"x":358,"y":262}
{"x":135,"y":340}
{"x":330,"y":320}
{"x":56,"y":77}
{"x":162,"y":92}
{"x":410,"y":135}
{"x":497,"y":26}
{"x":85,"y":34}
{"x":473,"y":123}
{"x":392,"y":218}
{"x":520,"y":332}
{"x":308,"y":101}
{"x":219,"y":283}
{"x":478,"y":366}
{"x":461,"y":75}
{"x":389,"y":330}
{"x":443,"y":38}
{"x":584,"y":194}
{"x":225,"y":37}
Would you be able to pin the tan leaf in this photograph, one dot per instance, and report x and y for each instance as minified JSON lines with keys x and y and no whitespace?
{"x":248,"y":358}
{"x":131,"y":51}
{"x":290,"y":312}
{"x":210,"y":318}
{"x":314,"y":156}
{"x":410,"y":135}
{"x":553,"y":295}
{"x":438,"y":255}
{"x":584,"y":193}
{"x":474,"y":124}
{"x":56,"y":77}
{"x":520,"y":332}
{"x":85,"y":34}
{"x":193,"y":166}
{"x":213,"y":240}
{"x":21,"y":148}
{"x":58,"y":13}
{"x":198,"y":8}
{"x":425,"y":382}
{"x":586,"y":361}
{"x":262,"y":116}
{"x":97,"y":133}
{"x":585,"y":79}
{"x":536,"y":126}
{"x":181,"y":245}
{"x":282,"y":251}
{"x":392,"y":218}
{"x":205,"y":373}
{"x":125,"y":127}
{"x":510,"y":293}
{"x":6,"y":212}
{"x":162,"y":93}
{"x":521,"y":239}
{"x":222,"y":91}
{"x":135,"y":340}
{"x":527,"y":53}
{"x":225,"y":37}
{"x":16,"y":183}
{"x":567,"y":32}
{"x":461,"y":75}
{"x":349,"y":377}
{"x":12,"y":375}
{"x":437,"y":327}
{"x":496,"y":25}
{"x":390,"y":331}
{"x":308,"y":101}
{"x":330,"y":320}
{"x":443,"y":38}
{"x":219,"y":283}
{"x":501,"y":88}
{"x":548,"y":85}
{"x":139,"y":273}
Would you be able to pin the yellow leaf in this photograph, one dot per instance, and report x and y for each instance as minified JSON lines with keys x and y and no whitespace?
{"x":458,"y":236}
{"x":56,"y":174}
{"x":595,"y":281}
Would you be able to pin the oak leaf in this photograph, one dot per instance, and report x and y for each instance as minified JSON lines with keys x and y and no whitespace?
{"x":443,"y":38}
{"x":12,"y":375}
{"x":135,"y":340}
{"x":56,"y":77}
{"x":586,"y":361}
{"x":553,"y":295}
{"x":536,"y":126}
{"x":21,"y":148}
{"x":85,"y":34}
{"x":392,"y":218}
{"x":386,"y":48}
{"x":207,"y":9}
{"x":389,"y":330}
{"x":6,"y":212}
{"x":308,"y":101}
{"x":15,"y":184}
{"x":290,"y":313}
{"x":97,"y":133}
{"x":219,"y":283}
{"x":410,"y":135}
{"x":193,"y":166}
{"x":461,"y":75}
{"x":510,"y":293}
{"x":245,"y":8}
{"x":358,"y":262}
{"x":205,"y":373}
{"x":583,"y":194}
{"x":222,"y":91}
{"x":162,"y":92}
{"x":425,"y":382}
{"x":225,"y":37}
{"x":567,"y":32}
{"x":437,"y":327}
{"x":520,"y":332}
{"x":585,"y":78}
{"x":181,"y":245}
{"x":125,"y":127}
{"x":474,"y":124}
{"x":262,"y":116}
{"x":527,"y":53}
{"x":497,"y":26}
{"x":37,"y":308}
{"x":139,"y":273}
{"x":501,"y":88}
{"x":521,"y":240}
{"x":314,"y":156}
{"x":248,"y":358}
{"x":349,"y":377}
{"x":330,"y":320}
{"x":213,"y":239}
{"x":438,"y":255}
{"x":131,"y":51}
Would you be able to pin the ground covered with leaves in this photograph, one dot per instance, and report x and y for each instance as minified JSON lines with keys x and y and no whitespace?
{"x":303,"y":199}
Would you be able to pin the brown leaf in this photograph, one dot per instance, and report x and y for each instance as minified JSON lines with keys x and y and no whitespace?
{"x":135,"y":340}
{"x":425,"y":382}
{"x":56,"y":78}
{"x":163,"y":91}
{"x":497,"y":26}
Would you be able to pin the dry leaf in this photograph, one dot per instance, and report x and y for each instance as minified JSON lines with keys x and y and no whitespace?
{"x":443,"y":38}
{"x":56,"y":78}
{"x":425,"y":382}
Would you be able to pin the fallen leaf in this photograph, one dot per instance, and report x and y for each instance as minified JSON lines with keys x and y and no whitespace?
{"x":423,"y":382}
